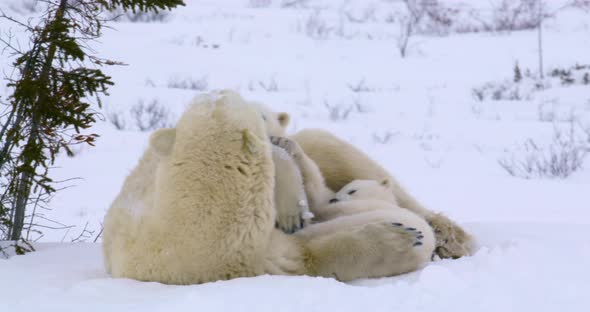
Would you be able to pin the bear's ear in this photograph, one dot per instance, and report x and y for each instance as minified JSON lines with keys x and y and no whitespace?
{"x":283,"y":119}
{"x":385,"y":182}
{"x":162,"y":140}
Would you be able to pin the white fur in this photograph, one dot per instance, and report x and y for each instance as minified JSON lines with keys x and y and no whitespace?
{"x":341,"y":163}
{"x":290,"y":198}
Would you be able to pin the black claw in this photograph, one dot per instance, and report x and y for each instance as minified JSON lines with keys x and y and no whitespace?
{"x":420,"y":237}
{"x":418,"y":244}
{"x":396,"y":224}
{"x":410,"y":229}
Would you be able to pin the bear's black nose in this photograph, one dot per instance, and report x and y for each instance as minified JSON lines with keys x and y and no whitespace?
{"x":333,"y":200}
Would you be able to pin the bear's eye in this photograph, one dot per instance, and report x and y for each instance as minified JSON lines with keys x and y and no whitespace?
{"x":263,"y":117}
{"x":351,"y":192}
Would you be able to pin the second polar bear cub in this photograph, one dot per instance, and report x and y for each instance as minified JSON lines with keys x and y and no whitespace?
{"x":291,"y":201}
{"x":366,"y":189}
{"x":366,"y":195}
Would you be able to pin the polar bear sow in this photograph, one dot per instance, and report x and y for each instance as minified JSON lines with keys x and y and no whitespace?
{"x":192,"y":199}
{"x":199,"y":207}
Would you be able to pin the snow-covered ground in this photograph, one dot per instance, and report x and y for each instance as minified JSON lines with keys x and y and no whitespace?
{"x":418,"y":116}
{"x":522,"y":267}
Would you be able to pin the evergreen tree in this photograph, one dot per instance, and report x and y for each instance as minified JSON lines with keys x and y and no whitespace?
{"x":50,"y":105}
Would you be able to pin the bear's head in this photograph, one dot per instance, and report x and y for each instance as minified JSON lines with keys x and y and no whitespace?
{"x":276,"y":123}
{"x":366,"y":189}
{"x":220,"y":108}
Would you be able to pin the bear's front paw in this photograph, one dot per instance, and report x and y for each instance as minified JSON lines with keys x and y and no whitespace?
{"x":451,"y":240}
{"x":294,"y":220}
{"x":290,"y":224}
{"x":287,"y":144}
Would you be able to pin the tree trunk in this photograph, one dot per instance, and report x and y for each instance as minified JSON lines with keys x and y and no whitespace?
{"x":25,"y":181}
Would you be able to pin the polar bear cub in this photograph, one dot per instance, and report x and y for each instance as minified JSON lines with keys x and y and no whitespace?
{"x":367,"y":196}
{"x":291,"y":202}
{"x":366,"y":189}
{"x":290,"y":198}
{"x":351,"y":194}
